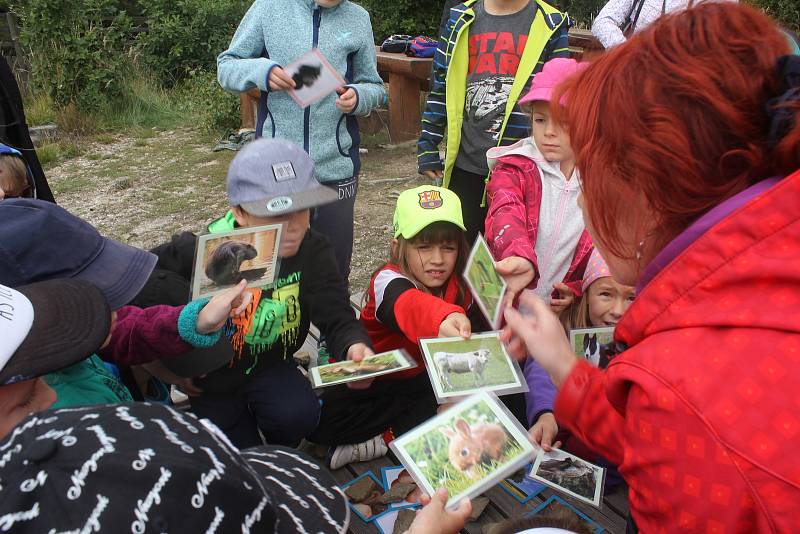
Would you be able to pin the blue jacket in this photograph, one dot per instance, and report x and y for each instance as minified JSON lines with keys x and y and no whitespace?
{"x":275,"y":33}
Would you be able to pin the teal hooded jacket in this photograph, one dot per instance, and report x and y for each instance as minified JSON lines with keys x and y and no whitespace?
{"x":275,"y":33}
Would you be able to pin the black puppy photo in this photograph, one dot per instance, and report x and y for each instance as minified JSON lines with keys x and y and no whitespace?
{"x":224,"y":264}
{"x":306,"y":76}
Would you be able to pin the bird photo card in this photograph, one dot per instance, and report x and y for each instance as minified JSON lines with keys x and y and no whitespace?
{"x":486,"y":285}
{"x":223,"y":260}
{"x":314,"y":78}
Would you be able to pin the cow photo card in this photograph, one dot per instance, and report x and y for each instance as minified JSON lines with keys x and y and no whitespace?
{"x":459,"y":367}
{"x":314,"y":78}
{"x":486,"y":285}
{"x":349,"y":371}
{"x":223,"y":260}
{"x":466,"y":449}
{"x":596,"y":345}
{"x":569,"y":474}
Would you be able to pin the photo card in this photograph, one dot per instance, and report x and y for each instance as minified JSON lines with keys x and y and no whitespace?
{"x":466,"y":449}
{"x":596,"y":345}
{"x":486,"y":285}
{"x":459,"y":367}
{"x":314,"y":78}
{"x":521,"y":486}
{"x":555,"y":506}
{"x":362,"y":492}
{"x":569,"y":474}
{"x":394,"y":475}
{"x":349,"y":371}
{"x":222,"y":260}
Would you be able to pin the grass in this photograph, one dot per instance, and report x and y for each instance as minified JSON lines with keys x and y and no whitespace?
{"x":498,"y":369}
{"x":485,"y":279}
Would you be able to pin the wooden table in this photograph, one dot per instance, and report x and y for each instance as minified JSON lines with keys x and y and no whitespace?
{"x":583,"y":45}
{"x":406,"y":77}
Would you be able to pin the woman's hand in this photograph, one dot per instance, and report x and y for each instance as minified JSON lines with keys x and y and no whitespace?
{"x":358,"y":352}
{"x":279,"y":80}
{"x":544,"y":431}
{"x":230,"y":303}
{"x":455,"y":324}
{"x":564,"y":300}
{"x":518,"y":274}
{"x":540,"y":332}
{"x":434,"y":519}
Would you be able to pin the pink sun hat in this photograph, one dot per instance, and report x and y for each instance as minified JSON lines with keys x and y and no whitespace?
{"x":553,"y":73}
{"x":596,"y":268}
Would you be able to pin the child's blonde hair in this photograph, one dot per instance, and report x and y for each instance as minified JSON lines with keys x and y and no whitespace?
{"x":13,"y":175}
{"x":576,"y":315}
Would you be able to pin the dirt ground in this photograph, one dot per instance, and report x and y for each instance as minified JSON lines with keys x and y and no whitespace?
{"x":141,"y":189}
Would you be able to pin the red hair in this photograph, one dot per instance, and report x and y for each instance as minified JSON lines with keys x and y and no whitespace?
{"x":675,"y":120}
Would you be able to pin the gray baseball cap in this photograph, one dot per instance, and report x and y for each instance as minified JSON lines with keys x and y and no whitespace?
{"x":271,"y":177}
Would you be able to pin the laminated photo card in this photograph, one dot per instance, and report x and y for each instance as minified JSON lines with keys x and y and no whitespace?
{"x":363,"y":493}
{"x":314,"y":78}
{"x":555,"y":506}
{"x":521,"y":486}
{"x":486,"y":285}
{"x":567,"y":473}
{"x":459,"y":367}
{"x":223,"y":260}
{"x":396,"y":475}
{"x":350,"y":371}
{"x":465,"y":449}
{"x":596,"y":345}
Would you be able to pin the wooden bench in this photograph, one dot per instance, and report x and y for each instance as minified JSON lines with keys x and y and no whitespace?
{"x":407,"y":77}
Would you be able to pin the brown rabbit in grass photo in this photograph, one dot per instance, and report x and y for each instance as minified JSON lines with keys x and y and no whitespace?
{"x":473,"y":445}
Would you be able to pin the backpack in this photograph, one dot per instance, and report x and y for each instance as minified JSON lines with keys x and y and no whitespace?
{"x":422,"y":46}
{"x":396,"y":44}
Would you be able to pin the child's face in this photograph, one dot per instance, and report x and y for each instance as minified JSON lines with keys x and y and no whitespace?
{"x":432,"y":263}
{"x":328,"y":3}
{"x":550,"y":136}
{"x":608,"y":300}
{"x":295,"y":226}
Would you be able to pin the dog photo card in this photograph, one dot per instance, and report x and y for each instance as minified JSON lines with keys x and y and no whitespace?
{"x":465,"y":449}
{"x":568,"y":473}
{"x":458,"y":367}
{"x":349,"y":371}
{"x":314,"y":78}
{"x":223,"y":260}
{"x":596,"y":345}
{"x":486,"y":285}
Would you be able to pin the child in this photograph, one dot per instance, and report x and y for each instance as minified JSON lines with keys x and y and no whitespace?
{"x":261,"y":391}
{"x":534,"y":226}
{"x":15,"y":177}
{"x":271,"y":35}
{"x":488,"y":52}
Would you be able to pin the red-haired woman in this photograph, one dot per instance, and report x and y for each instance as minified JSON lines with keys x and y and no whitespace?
{"x":688,"y":141}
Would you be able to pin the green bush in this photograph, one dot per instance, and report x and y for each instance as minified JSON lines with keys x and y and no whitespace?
{"x":413,"y":17}
{"x":185,"y":35}
{"x":77,"y":50}
{"x":202,"y":97}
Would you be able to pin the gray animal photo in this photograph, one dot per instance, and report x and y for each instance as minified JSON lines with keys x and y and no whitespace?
{"x":314,"y":78}
{"x":570,"y":474}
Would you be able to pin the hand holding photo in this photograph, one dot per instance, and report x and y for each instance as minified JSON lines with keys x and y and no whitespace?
{"x":594,"y":344}
{"x":486,"y":285}
{"x":223,"y":260}
{"x":465,"y":449}
{"x":458,"y":367}
{"x":314,"y":78}
{"x":568,"y":473}
{"x":350,"y":371}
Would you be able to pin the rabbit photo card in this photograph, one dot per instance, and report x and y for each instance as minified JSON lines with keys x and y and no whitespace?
{"x":596,"y":345}
{"x":314,"y":78}
{"x":466,"y":449}
{"x":222,"y":260}
{"x":350,"y":371}
{"x":567,"y":473}
{"x":459,"y":367}
{"x":486,"y":285}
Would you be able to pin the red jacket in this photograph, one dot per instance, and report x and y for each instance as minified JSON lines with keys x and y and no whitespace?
{"x":702,"y":412}
{"x":514,"y":198}
{"x":408,"y":314}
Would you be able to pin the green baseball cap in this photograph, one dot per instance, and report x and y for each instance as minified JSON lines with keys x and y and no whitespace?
{"x":424,"y":205}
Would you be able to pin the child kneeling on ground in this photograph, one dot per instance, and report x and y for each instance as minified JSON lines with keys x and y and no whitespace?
{"x":261,"y":392}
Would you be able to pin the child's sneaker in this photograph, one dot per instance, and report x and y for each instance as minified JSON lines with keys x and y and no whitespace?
{"x":359,"y":452}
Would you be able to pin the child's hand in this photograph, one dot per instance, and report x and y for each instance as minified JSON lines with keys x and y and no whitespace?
{"x":564,"y":300}
{"x":544,"y":431}
{"x":358,"y":352}
{"x":434,"y":176}
{"x":229,"y":303}
{"x":455,"y":324}
{"x":347,"y":100}
{"x":434,"y":519}
{"x":279,"y":80}
{"x":518,"y":274}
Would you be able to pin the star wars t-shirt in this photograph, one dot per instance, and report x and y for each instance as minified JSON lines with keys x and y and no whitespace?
{"x":496,"y":43}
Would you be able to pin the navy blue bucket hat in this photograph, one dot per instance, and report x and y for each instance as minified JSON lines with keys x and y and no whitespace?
{"x":41,"y":241}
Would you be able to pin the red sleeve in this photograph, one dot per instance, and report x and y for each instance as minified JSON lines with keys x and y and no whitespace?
{"x":419,"y":314}
{"x":507,"y":217}
{"x":142,"y":335}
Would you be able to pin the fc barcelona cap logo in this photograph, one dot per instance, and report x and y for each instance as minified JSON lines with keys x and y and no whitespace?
{"x":430,"y":200}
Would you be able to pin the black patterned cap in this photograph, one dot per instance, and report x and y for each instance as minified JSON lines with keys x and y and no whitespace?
{"x":145,"y":468}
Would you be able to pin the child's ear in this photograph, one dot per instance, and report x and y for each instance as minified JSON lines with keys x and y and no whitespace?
{"x":240,"y":215}
{"x":394,"y":247}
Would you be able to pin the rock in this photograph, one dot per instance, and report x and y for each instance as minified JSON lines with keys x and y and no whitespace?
{"x":362,"y":489}
{"x":364,"y":509}
{"x":478,"y":506}
{"x":373,"y":497}
{"x":378,"y":508}
{"x":404,"y":519}
{"x":397,"y":493}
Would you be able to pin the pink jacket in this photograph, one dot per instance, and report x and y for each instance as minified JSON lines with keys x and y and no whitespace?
{"x":142,"y":335}
{"x":514,"y":196}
